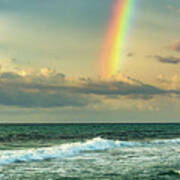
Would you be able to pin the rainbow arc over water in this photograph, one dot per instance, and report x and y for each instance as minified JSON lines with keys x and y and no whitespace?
{"x":112,"y":55}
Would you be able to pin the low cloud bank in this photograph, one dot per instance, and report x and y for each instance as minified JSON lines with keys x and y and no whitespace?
{"x":51,"y":89}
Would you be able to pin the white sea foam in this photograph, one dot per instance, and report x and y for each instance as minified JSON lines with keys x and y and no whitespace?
{"x":61,"y":151}
{"x":72,"y":149}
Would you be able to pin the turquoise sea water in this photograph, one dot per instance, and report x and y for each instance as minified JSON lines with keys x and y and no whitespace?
{"x":90,"y":151}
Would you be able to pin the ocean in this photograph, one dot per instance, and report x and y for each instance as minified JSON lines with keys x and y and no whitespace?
{"x":90,"y":151}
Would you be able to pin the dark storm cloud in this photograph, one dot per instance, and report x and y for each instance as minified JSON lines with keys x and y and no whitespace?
{"x":119,"y":88}
{"x":12,"y":95}
{"x":36,"y":91}
{"x":168,"y":60}
{"x":31,"y":92}
{"x":10,"y":76}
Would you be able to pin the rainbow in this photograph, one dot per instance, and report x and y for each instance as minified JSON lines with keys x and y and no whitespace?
{"x":116,"y":38}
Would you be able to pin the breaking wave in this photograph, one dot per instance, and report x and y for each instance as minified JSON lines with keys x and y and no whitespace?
{"x":72,"y":149}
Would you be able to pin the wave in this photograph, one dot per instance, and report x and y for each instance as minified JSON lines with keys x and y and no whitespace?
{"x":61,"y":151}
{"x":171,"y":173}
{"x":72,"y":149}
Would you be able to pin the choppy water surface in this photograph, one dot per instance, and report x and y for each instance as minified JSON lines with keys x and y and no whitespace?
{"x":86,"y":157}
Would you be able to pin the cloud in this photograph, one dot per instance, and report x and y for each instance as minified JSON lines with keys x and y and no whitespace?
{"x":130,"y":54}
{"x":47,"y":71}
{"x":171,"y":82}
{"x":36,"y":95}
{"x":168,"y":60}
{"x":175,"y":46}
{"x":120,"y":88}
{"x":57,"y":90}
{"x":43,"y":99}
{"x":10,"y":76}
{"x":36,"y":90}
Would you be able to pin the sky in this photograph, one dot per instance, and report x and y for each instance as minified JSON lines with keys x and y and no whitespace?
{"x":50,"y":53}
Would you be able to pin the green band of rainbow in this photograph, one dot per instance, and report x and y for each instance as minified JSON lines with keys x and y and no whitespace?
{"x":116,"y":38}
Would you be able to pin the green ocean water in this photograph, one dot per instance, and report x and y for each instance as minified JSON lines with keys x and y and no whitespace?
{"x":90,"y":151}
